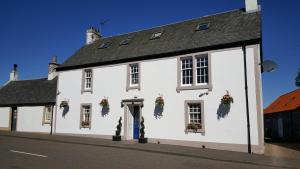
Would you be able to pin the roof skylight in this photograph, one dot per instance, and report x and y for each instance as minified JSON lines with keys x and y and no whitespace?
{"x":156,"y":35}
{"x":125,"y":42}
{"x":202,"y":26}
{"x":103,"y":45}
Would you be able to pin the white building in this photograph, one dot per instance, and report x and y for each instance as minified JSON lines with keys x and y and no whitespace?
{"x":27,"y":105}
{"x":190,"y":64}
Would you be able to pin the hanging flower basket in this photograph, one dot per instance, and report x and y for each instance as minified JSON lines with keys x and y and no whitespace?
{"x":160,"y":101}
{"x":227,"y":99}
{"x":64,"y":104}
{"x":104,"y":103}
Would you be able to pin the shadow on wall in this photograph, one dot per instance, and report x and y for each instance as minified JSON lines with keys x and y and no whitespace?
{"x":65,"y":111}
{"x":223,"y":110}
{"x":104,"y":111}
{"x":158,"y":111}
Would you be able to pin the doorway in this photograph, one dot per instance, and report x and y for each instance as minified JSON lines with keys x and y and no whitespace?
{"x":14,"y":114}
{"x":136,"y":121}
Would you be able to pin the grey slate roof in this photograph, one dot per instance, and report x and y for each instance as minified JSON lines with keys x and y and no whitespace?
{"x":28,"y":92}
{"x":225,"y":28}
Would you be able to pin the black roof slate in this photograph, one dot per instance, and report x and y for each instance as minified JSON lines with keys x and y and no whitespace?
{"x":28,"y":92}
{"x":224,"y":28}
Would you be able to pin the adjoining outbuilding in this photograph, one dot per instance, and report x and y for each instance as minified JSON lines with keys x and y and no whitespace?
{"x":282,"y":117}
{"x":27,"y":105}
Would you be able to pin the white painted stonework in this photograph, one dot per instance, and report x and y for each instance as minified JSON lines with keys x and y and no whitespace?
{"x":160,"y":76}
{"x":4,"y":118}
{"x":30,"y":119}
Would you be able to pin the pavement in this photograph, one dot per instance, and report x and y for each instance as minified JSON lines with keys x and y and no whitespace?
{"x":69,"y":148}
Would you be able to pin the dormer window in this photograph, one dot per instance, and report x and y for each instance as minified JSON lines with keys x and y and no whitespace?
{"x":156,"y":35}
{"x":202,"y":26}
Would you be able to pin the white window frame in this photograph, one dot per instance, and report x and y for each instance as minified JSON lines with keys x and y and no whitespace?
{"x":194,"y":85}
{"x":47,"y":113}
{"x":85,"y":80}
{"x":131,"y":85}
{"x":187,"y":69}
{"x":82,"y":115}
{"x":187,"y":104}
{"x":205,"y":67}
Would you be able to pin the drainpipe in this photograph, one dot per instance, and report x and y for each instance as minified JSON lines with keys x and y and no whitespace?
{"x":51,"y":130}
{"x":247,"y":101}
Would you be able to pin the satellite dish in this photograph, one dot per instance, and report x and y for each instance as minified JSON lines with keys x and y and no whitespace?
{"x":269,"y":66}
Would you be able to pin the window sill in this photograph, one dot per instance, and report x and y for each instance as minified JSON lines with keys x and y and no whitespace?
{"x":46,"y":122}
{"x":85,"y":127}
{"x":86,"y":91}
{"x":133,"y":87}
{"x":209,"y":87}
{"x":194,"y":131}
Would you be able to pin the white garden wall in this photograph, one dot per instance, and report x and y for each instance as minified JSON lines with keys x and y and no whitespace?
{"x":160,"y":76}
{"x":4,"y":118}
{"x":30,"y":119}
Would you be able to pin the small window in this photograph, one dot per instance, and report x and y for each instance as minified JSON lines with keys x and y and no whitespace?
{"x":134,"y":74}
{"x":194,"y":116}
{"x":103,"y":45}
{"x":86,"y":111}
{"x":88,"y":75}
{"x":202,"y":26}
{"x":187,"y":71}
{"x":155,"y":35}
{"x":125,"y":42}
{"x":47,"y":117}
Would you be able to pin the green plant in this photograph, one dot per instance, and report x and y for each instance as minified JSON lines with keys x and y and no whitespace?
{"x":142,"y":129}
{"x":227,"y":99}
{"x":64,"y":104}
{"x":194,"y":126}
{"x":160,"y":101}
{"x":104,"y":103}
{"x":119,"y":126}
{"x":297,"y":79}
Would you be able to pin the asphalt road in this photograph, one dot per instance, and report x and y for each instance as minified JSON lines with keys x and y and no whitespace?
{"x":20,"y":153}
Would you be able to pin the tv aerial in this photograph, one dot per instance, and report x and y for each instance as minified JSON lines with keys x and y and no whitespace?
{"x":269,"y":66}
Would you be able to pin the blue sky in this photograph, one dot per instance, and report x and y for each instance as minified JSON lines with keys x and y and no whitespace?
{"x":31,"y":32}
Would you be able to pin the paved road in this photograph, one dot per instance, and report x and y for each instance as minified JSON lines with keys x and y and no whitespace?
{"x":20,"y":153}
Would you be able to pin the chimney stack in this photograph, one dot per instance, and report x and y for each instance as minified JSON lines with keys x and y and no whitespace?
{"x":52,"y":68}
{"x":14,"y":73}
{"x":251,"y":5}
{"x":92,"y":34}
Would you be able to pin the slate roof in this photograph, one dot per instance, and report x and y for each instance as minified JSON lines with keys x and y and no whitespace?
{"x":28,"y":92}
{"x":286,"y":102}
{"x":224,"y":28}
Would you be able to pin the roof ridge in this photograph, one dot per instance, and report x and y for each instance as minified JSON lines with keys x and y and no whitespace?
{"x":288,"y":93}
{"x":169,"y":24}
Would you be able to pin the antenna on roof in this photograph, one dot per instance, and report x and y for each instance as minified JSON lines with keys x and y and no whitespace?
{"x":102,"y":23}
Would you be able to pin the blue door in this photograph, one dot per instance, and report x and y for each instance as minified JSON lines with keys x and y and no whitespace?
{"x":136,"y":122}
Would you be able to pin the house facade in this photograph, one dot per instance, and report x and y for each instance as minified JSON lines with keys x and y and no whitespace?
{"x":282,"y":117}
{"x":174,"y":76}
{"x":28,"y":105}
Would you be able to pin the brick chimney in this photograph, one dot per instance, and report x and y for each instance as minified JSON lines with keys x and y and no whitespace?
{"x":92,"y":34}
{"x":52,"y":68}
{"x":14,"y":73}
{"x":251,"y":5}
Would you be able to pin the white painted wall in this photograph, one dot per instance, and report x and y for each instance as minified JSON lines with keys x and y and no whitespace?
{"x":160,"y":76}
{"x":30,"y":119}
{"x":4,"y":117}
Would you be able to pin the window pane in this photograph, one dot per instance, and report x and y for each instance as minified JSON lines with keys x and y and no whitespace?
{"x":194,"y":110}
{"x":134,"y":74}
{"x":187,"y":71}
{"x":202,"y":69}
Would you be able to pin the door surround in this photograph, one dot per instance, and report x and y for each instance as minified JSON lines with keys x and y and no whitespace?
{"x":126,"y":103}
